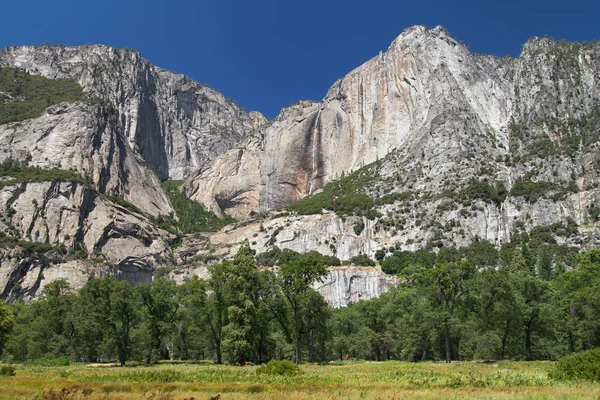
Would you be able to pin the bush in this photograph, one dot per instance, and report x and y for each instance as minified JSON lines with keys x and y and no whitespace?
{"x":51,"y":362}
{"x":276,"y":256}
{"x":346,"y":196}
{"x":7,"y":370}
{"x":276,"y":367}
{"x":399,"y":260}
{"x":585,"y":365}
{"x":595,"y":213}
{"x":380,"y":254}
{"x":533,"y":191}
{"x":484,"y":191}
{"x":359,"y":226}
{"x":120,"y":201}
{"x":362,"y":261}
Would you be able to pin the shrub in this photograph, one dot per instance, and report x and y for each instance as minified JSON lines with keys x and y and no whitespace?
{"x":347,"y":195}
{"x":7,"y":370}
{"x":484,"y":191}
{"x":380,"y":254}
{"x":595,"y":213}
{"x":394,"y":197}
{"x":20,"y":172}
{"x":120,"y":201}
{"x":279,"y":367}
{"x":30,"y":94}
{"x":51,"y":362}
{"x":276,"y":256}
{"x":533,"y":191}
{"x":359,"y":226}
{"x":585,"y":365}
{"x":362,"y":260}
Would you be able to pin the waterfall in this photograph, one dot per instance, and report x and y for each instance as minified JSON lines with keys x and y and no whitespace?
{"x":315,"y":166}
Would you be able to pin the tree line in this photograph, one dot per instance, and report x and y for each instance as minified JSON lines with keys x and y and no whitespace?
{"x":447,"y":310}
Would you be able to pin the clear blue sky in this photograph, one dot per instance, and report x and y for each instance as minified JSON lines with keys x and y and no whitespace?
{"x":266,"y":54}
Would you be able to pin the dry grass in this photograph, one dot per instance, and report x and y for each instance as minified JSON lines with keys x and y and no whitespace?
{"x":389,"y":380}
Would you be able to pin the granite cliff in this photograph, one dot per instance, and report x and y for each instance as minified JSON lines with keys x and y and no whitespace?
{"x":444,"y":112}
{"x":175,"y":124}
{"x":449,"y":145}
{"x":425,"y":146}
{"x":139,"y":124}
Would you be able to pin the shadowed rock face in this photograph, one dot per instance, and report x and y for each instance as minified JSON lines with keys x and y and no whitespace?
{"x":150,"y":124}
{"x":265,"y":171}
{"x":88,"y":140}
{"x":176,"y":125}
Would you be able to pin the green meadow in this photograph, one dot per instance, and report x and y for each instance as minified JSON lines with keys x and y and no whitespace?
{"x":363,"y":380}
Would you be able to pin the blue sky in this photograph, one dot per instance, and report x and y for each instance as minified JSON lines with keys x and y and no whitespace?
{"x":266,"y":54}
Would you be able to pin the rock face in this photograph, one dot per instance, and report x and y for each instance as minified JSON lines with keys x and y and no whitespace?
{"x":71,"y":215}
{"x":333,"y":235}
{"x":451,"y":147}
{"x":88,"y":140}
{"x":266,"y":171}
{"x":345,"y":285}
{"x":147,"y":124}
{"x":435,"y":111}
{"x":328,"y":234}
{"x":174,"y":123}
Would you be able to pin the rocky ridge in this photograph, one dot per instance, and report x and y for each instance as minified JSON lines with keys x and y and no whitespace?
{"x":143,"y":124}
{"x":86,"y":139}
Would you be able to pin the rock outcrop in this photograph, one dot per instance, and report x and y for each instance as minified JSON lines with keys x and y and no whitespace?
{"x":345,"y":285}
{"x":140,"y":124}
{"x":450,"y":147}
{"x":68,"y":215}
{"x":342,"y":285}
{"x":266,"y":171}
{"x":88,"y":140}
{"x":328,"y":234}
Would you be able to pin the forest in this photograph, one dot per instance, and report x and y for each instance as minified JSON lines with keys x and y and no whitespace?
{"x":461,"y":308}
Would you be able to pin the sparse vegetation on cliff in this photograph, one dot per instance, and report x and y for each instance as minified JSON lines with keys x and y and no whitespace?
{"x":24,"y":96}
{"x":15,"y":172}
{"x":345,"y":196}
{"x":276,"y":256}
{"x":192,"y":217}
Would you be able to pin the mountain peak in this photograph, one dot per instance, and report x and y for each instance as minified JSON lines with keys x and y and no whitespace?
{"x":418,"y":33}
{"x":422,"y":29}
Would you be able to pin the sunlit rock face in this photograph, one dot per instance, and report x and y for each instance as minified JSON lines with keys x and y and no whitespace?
{"x":431,"y":116}
{"x":432,"y":112}
{"x":71,"y":214}
{"x":88,"y":140}
{"x":142,"y":124}
{"x":415,"y":96}
{"x":345,"y":285}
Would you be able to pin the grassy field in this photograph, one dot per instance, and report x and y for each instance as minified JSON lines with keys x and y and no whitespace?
{"x":389,"y":380}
